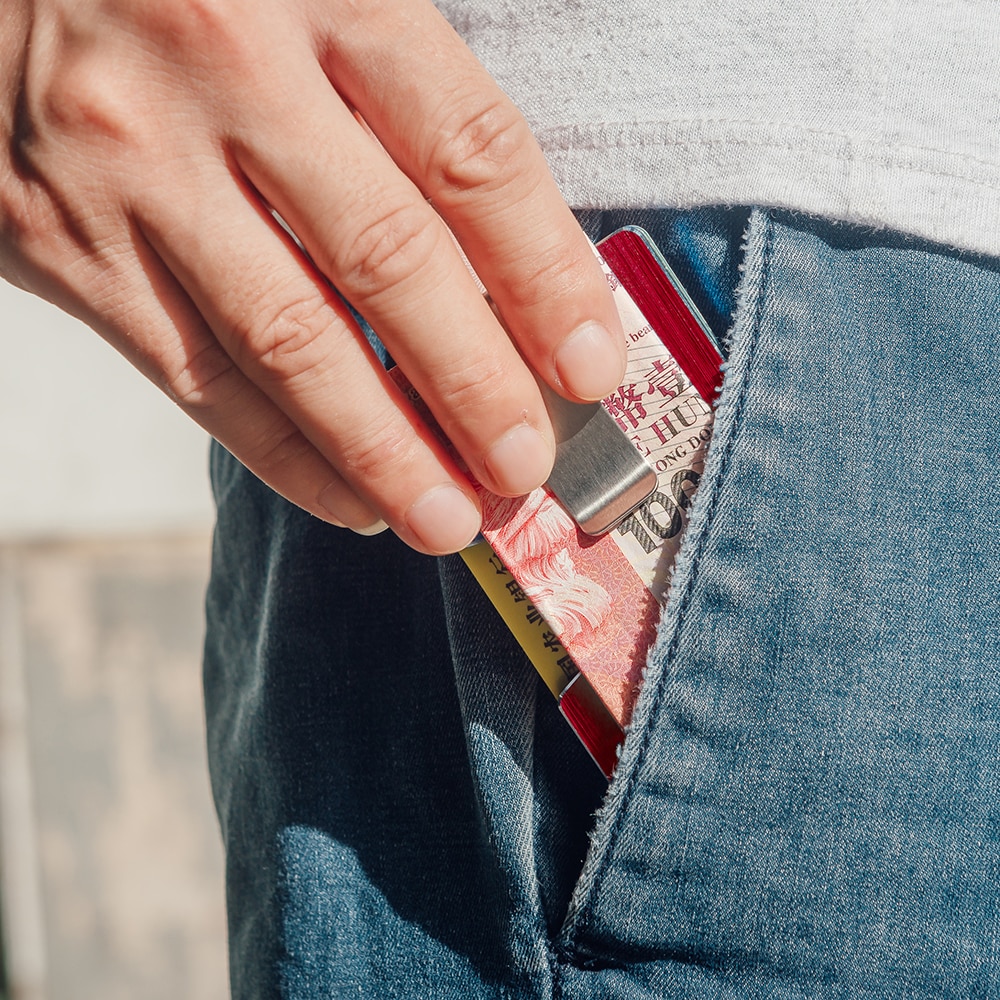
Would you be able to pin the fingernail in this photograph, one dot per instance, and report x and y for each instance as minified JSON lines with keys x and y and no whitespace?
{"x":590,"y":362}
{"x":373,"y":529}
{"x":520,"y":461}
{"x":444,"y":520}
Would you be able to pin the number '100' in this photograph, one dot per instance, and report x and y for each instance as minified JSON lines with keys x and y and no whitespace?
{"x":661,"y":517}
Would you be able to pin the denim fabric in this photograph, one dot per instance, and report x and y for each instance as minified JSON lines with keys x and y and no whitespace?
{"x":807,"y":802}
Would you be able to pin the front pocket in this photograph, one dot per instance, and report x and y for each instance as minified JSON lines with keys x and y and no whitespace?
{"x":807,"y":804}
{"x":618,"y":802}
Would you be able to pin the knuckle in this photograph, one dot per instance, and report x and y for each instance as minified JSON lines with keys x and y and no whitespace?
{"x":279,"y":452}
{"x":203,"y":380}
{"x":482,"y":151}
{"x":389,"y":250}
{"x":82,"y":98}
{"x":187,"y":27}
{"x":289,"y":345}
{"x":379,"y":450}
{"x":196,"y":18}
{"x":474,"y":385}
{"x":82,"y":84}
{"x":548,"y":273}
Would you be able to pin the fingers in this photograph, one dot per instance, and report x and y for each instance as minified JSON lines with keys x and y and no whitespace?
{"x":297,"y":343}
{"x":449,"y":127}
{"x":143,"y":311}
{"x":238,"y":326}
{"x":370,"y":231}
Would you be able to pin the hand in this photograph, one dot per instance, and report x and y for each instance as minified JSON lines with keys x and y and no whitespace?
{"x":146,"y":143}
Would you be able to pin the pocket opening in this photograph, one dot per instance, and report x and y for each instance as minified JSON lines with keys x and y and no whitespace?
{"x":739,"y":340}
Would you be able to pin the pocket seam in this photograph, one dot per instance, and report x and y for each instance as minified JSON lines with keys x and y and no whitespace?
{"x":746,"y":327}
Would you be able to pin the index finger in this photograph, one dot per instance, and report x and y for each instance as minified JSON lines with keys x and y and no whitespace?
{"x":447,"y":124}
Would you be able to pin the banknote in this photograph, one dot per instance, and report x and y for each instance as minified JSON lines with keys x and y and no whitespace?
{"x":586,"y":609}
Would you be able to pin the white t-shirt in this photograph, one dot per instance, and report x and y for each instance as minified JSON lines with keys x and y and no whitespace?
{"x":885,"y":114}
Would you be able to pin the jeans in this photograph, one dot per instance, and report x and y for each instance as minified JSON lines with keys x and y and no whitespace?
{"x":807,"y":803}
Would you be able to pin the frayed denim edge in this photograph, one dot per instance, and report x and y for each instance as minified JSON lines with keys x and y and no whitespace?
{"x":742,"y":336}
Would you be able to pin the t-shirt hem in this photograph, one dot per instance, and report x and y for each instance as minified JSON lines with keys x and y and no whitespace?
{"x":938,"y":195}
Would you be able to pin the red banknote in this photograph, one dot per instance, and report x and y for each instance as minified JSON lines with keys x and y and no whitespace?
{"x":584,"y":608}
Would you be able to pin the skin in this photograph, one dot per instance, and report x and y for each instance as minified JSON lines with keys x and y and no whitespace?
{"x":146,"y":143}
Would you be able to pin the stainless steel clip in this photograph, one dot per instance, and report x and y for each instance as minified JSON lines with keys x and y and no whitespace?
{"x":598,"y":476}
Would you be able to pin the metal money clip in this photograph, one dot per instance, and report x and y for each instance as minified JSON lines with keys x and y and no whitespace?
{"x":599,"y":477}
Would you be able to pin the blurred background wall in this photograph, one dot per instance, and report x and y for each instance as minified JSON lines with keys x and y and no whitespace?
{"x":110,"y":864}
